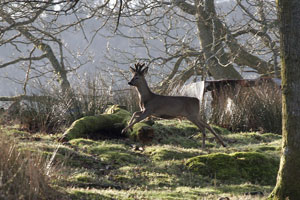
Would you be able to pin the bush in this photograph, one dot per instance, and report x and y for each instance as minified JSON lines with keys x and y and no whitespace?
{"x":22,"y":174}
{"x":51,"y":111}
{"x":253,"y":109}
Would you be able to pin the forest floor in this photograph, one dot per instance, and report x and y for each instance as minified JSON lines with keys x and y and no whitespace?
{"x":122,"y":169}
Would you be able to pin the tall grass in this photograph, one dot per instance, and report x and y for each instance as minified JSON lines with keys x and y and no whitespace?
{"x":22,"y":174}
{"x":253,"y":109}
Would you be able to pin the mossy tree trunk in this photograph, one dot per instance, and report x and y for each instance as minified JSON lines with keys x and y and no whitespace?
{"x":288,"y":180}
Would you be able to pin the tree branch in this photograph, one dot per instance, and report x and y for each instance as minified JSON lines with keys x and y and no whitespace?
{"x":23,"y":59}
{"x":27,"y":97}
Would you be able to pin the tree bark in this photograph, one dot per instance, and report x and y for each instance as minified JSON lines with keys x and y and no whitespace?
{"x":209,"y":34}
{"x":288,"y":181}
{"x":217,"y":29}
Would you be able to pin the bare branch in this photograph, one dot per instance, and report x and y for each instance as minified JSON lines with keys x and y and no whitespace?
{"x":23,"y":59}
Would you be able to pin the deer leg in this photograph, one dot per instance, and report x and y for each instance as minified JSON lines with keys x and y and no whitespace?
{"x":201,"y":128}
{"x":135,"y":120}
{"x":205,"y":125}
{"x":136,"y":114}
{"x":203,"y":138}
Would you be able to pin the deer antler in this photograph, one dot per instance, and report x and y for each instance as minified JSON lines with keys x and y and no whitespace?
{"x":139,"y":66}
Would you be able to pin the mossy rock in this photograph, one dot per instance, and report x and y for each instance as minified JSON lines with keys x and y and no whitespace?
{"x":237,"y":167}
{"x":108,"y":125}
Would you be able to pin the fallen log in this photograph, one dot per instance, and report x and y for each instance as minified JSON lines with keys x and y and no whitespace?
{"x":109,"y":125}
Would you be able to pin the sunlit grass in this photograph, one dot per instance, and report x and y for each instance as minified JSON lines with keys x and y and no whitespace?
{"x":115,"y":169}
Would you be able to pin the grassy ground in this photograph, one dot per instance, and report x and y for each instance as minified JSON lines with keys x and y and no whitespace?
{"x":120,"y":169}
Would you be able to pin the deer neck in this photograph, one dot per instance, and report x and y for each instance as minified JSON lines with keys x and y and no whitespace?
{"x":144,"y":92}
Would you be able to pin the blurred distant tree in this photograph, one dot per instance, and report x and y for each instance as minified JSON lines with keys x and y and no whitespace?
{"x":33,"y":31}
{"x":32,"y":34}
{"x":185,"y":39}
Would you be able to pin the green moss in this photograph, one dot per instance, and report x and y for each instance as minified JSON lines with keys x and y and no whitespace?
{"x":142,"y":132}
{"x":15,"y":132}
{"x":266,"y":148}
{"x":84,"y":177}
{"x":71,"y":157}
{"x":105,"y":169}
{"x":220,"y":130}
{"x":263,"y":137}
{"x":236,"y":167}
{"x":167,"y":153}
{"x":111,"y":122}
{"x":175,"y":126}
{"x":108,"y":125}
{"x":183,"y":133}
{"x":219,"y":165}
{"x":107,"y":152}
{"x":90,"y":126}
{"x":87,"y":195}
{"x":272,"y":136}
{"x":81,"y":142}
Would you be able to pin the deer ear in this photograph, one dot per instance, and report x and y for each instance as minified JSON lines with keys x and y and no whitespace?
{"x":145,"y":70}
{"x":132,"y":70}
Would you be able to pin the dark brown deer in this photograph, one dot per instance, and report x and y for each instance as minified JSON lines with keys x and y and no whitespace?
{"x":166,"y":107}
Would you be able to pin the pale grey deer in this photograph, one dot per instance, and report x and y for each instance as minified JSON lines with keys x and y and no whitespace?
{"x":166,"y":107}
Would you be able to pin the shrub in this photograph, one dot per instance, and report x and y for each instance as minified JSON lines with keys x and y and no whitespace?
{"x":253,"y":109}
{"x":51,"y":111}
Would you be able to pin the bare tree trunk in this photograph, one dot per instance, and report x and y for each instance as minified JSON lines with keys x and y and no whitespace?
{"x":212,"y":33}
{"x":288,"y":181}
{"x":209,"y":33}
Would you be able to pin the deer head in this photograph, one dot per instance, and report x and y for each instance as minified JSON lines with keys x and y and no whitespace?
{"x":138,"y":74}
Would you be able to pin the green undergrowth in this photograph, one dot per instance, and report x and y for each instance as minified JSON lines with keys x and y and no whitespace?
{"x":172,"y":166}
{"x":236,"y":167}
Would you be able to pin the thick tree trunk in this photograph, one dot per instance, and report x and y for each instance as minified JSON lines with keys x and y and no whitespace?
{"x":288,"y":180}
{"x":215,"y":28}
{"x":209,"y":34}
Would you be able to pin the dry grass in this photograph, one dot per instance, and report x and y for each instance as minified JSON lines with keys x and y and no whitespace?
{"x":253,"y":109}
{"x":22,"y":174}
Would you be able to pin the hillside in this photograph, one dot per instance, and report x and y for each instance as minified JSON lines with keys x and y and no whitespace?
{"x":166,"y":168}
